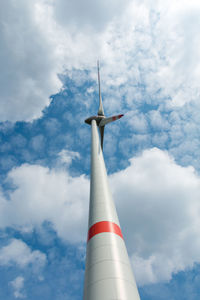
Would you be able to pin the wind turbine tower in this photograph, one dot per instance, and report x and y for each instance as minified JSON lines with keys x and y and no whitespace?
{"x":108,"y":274}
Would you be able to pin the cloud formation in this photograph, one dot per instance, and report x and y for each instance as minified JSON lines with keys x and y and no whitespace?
{"x":150,"y":54}
{"x":48,"y":195}
{"x":29,"y":60}
{"x":17,"y":252}
{"x":18,"y":284}
{"x":157,"y":201}
{"x":88,"y":16}
{"x":158,"y":204}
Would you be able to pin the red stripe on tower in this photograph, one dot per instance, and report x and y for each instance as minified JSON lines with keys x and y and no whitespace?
{"x":104,"y":226}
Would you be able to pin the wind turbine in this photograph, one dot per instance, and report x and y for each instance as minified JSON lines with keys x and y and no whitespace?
{"x":108,"y":273}
{"x":100,"y":119}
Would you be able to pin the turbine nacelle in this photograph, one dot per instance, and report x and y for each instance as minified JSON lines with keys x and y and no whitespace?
{"x":102,"y":120}
{"x":98,"y":119}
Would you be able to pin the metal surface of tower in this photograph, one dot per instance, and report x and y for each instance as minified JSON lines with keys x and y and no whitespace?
{"x":108,"y":274}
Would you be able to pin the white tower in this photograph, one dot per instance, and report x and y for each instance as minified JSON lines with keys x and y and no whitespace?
{"x":108,"y":274}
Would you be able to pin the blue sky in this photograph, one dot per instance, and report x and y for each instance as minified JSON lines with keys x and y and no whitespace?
{"x":149,"y":54}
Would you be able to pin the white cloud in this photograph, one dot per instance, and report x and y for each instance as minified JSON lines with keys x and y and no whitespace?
{"x":90,"y":15}
{"x":47,"y":195}
{"x":37,"y":143}
{"x":66,"y":156}
{"x":177,"y":42}
{"x":18,"y":284}
{"x":36,"y":45}
{"x":158,"y":204}
{"x":29,"y":60}
{"x":183,"y":135}
{"x":157,"y":120}
{"x":154,"y":45}
{"x":17,"y":252}
{"x":137,"y":121}
{"x":157,"y":201}
{"x":142,"y":44}
{"x":52,"y":126}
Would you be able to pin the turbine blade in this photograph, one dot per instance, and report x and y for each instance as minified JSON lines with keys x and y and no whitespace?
{"x":101,"y":129}
{"x":100,"y":111}
{"x":105,"y":121}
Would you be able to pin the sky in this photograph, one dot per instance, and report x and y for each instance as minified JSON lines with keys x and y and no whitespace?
{"x":149,"y":53}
